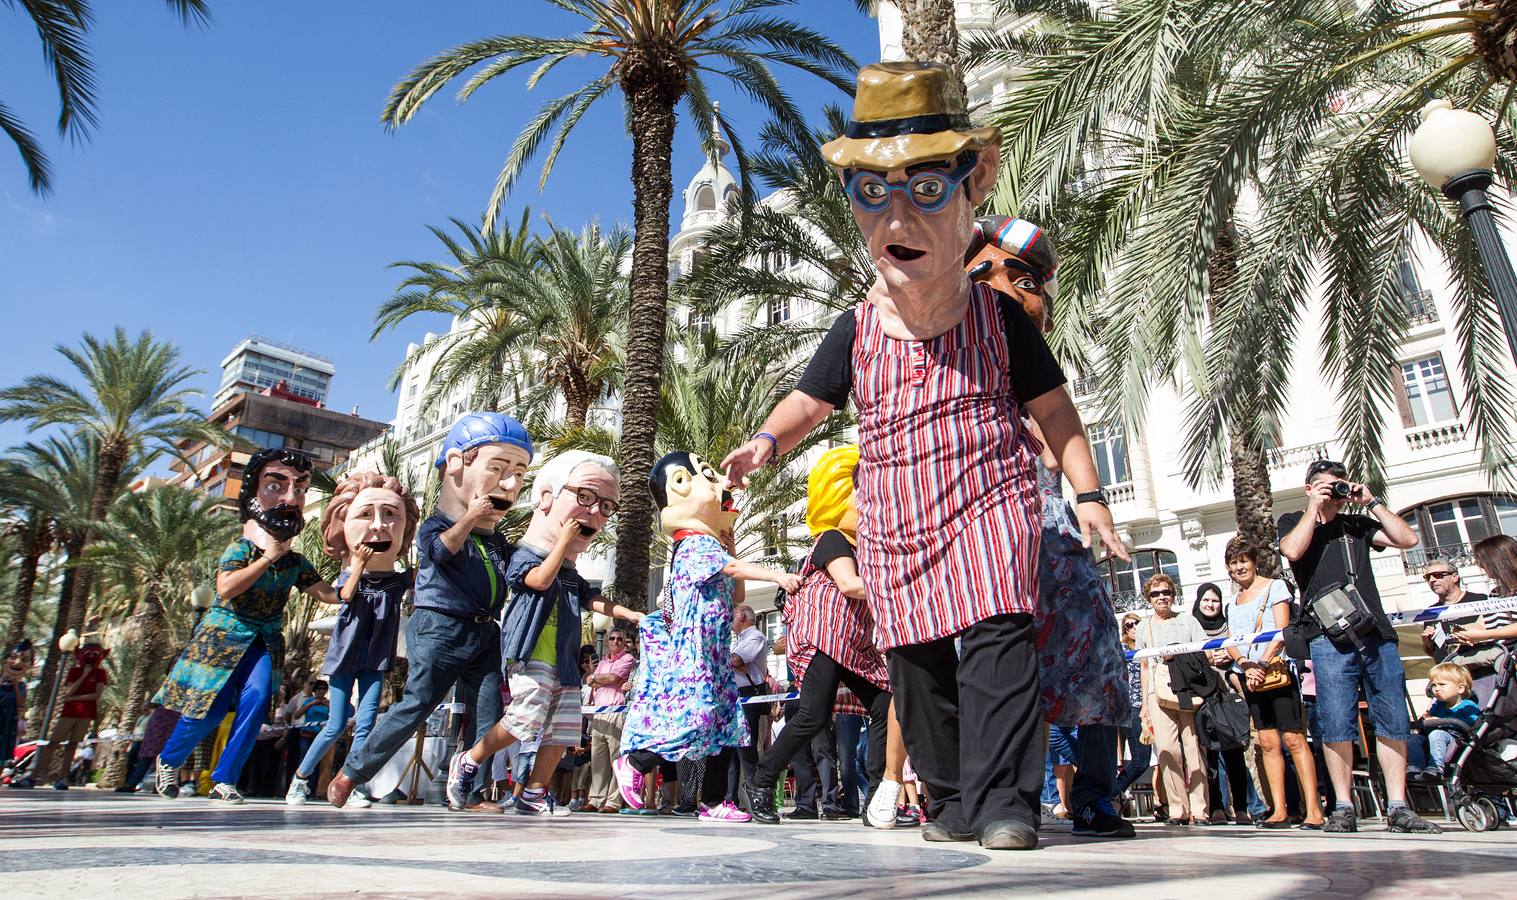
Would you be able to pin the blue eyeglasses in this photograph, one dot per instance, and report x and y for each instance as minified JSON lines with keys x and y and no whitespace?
{"x":928,"y":191}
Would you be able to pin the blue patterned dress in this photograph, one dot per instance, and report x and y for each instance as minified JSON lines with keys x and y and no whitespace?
{"x":686,"y":702}
{"x":1080,"y":661}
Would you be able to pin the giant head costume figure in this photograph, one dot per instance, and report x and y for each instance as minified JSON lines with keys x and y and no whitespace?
{"x":273,"y":494}
{"x":914,"y":169}
{"x":19,"y":659}
{"x":692,"y":496}
{"x":574,"y":490}
{"x":372,"y":510}
{"x":485,"y":454}
{"x":829,"y":493}
{"x":1017,"y":258}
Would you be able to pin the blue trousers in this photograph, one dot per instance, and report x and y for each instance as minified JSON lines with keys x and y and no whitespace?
{"x":340,"y":694}
{"x":849,"y":728}
{"x":249,"y":687}
{"x":1141,"y":753}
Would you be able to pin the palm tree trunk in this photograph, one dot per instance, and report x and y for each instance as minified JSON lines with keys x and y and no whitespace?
{"x":34,"y":541}
{"x":930,"y":33}
{"x":71,"y":549}
{"x":651,"y":97}
{"x":150,"y":638}
{"x":577,"y":404}
{"x":107,"y":486}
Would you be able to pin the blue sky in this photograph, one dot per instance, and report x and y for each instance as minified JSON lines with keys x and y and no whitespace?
{"x":240,"y":181}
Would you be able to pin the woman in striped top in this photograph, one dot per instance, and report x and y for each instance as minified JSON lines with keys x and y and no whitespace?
{"x":1497,"y":558}
{"x":940,"y":373}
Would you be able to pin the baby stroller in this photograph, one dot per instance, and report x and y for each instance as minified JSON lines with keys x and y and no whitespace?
{"x":1484,"y":763}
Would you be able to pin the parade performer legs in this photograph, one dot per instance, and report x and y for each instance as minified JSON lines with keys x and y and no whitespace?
{"x":452,"y":637}
{"x":234,"y":658}
{"x":941,"y":374}
{"x":687,"y":705}
{"x":368,"y":524}
{"x":829,"y":641}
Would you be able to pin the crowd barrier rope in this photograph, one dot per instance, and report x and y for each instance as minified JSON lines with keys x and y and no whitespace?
{"x":1402,"y":618}
{"x":760,"y":698}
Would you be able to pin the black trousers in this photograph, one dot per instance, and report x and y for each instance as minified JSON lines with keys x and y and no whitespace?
{"x":818,"y":781}
{"x":744,"y":760}
{"x":813,"y":716}
{"x":443,"y":650}
{"x":1237,"y":780}
{"x":973,"y":721}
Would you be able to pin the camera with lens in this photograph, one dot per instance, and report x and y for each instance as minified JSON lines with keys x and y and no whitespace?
{"x":1342,"y":490}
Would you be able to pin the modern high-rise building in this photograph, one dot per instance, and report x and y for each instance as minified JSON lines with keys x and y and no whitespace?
{"x":257,"y":363}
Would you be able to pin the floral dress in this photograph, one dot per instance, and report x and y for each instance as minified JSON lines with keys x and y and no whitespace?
{"x":686,"y":703}
{"x":1081,"y":666}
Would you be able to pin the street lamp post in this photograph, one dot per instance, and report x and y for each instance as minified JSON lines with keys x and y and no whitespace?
{"x":68,"y":643}
{"x":201,"y":599}
{"x":1454,"y":150}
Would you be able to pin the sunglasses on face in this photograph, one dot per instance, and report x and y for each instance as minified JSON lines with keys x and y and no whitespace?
{"x":928,"y":191}
{"x":1434,"y":576}
{"x":1161,"y":593}
{"x":1127,"y":625}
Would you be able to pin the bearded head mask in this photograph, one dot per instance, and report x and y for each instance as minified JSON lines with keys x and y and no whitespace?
{"x":273,"y":491}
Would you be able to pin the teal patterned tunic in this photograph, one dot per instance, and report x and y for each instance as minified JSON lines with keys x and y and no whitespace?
{"x":230,"y":627}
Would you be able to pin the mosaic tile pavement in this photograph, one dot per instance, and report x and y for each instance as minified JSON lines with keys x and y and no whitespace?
{"x":87,"y":844}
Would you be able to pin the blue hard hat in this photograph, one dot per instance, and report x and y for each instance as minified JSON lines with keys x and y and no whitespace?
{"x":477,"y":428}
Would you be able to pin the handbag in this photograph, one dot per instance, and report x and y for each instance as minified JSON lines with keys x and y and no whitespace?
{"x":1222,"y":722}
{"x":1341,"y":612}
{"x":1277,"y":674}
{"x":1164,"y":690}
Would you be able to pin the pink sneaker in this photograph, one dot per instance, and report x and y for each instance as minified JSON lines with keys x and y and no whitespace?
{"x":727,"y":812}
{"x":629,"y":780}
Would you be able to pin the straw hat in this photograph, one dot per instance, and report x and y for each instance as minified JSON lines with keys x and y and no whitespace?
{"x":906,"y":113}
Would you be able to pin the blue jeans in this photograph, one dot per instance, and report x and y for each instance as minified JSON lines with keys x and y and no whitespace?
{"x":1440,"y":745}
{"x":1142,"y":753}
{"x":1339,"y":675}
{"x":340,"y":687}
{"x":249,"y":688}
{"x":849,"y":727}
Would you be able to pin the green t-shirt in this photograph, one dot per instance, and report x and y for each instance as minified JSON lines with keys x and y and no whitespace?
{"x":546,"y":649}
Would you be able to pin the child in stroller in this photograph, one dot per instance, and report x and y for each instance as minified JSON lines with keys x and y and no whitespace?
{"x":1482,"y":765}
{"x":1451,"y":686}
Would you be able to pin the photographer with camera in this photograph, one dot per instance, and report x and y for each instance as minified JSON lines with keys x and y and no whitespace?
{"x":1351,"y":640}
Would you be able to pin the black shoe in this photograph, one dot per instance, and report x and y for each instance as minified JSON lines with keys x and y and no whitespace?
{"x":1341,"y":821}
{"x":1009,"y":834}
{"x":681,"y":813}
{"x":835,"y":815}
{"x":1403,"y":821}
{"x":906,"y":819}
{"x":937,"y":832}
{"x":761,"y":803}
{"x":1283,"y":824}
{"x":1095,"y":822}
{"x":807,"y":815}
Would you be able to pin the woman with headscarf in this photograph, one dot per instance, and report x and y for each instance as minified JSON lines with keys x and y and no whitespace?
{"x":1211,"y":612}
{"x":829,"y":643}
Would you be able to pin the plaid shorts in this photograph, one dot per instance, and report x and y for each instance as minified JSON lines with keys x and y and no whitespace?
{"x":540,"y":706}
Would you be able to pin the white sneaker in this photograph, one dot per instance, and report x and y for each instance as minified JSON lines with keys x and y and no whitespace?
{"x":167,"y":781}
{"x":299,"y":792}
{"x":227,"y":793}
{"x":881,"y":810}
{"x":358,"y":801}
{"x":1052,"y":821}
{"x":544,"y":806}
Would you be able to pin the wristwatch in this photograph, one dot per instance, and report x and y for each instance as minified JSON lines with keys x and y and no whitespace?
{"x":1096,"y":496}
{"x":1370,"y":506}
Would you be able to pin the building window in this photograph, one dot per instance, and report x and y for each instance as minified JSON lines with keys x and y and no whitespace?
{"x":779,"y":310}
{"x":698,"y":322}
{"x":1108,"y":444}
{"x":705,"y":198}
{"x":1425,"y":393}
{"x":265,"y":439}
{"x":1447,"y":529}
{"x":1125,"y":579}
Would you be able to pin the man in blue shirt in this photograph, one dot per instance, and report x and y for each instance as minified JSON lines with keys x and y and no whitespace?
{"x":460,"y":587}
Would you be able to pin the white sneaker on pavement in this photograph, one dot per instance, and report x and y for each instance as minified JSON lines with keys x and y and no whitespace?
{"x":299,"y":792}
{"x":881,"y":810}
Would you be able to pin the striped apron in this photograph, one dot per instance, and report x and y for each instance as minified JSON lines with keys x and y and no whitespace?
{"x":820,"y":618}
{"x":947,"y":490}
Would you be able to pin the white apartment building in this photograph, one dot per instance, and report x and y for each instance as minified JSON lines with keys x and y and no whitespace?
{"x":258,"y":363}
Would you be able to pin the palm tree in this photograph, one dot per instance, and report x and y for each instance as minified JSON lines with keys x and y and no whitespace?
{"x":486,"y":355}
{"x":31,"y":531}
{"x":134,"y":402}
{"x":660,"y":53}
{"x":1206,"y":162}
{"x":153,"y":545}
{"x":63,"y":28}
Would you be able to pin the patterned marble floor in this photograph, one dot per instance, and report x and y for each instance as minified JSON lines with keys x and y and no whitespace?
{"x":85,"y":844}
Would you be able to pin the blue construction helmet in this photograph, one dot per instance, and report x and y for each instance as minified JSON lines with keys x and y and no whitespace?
{"x":477,"y":428}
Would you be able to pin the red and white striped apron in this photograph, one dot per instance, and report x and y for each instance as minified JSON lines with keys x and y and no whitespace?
{"x":819,"y":617}
{"x":947,"y":490}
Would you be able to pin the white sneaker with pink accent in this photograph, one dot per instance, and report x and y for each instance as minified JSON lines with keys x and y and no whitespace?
{"x":629,"y":780}
{"x":726,"y":813}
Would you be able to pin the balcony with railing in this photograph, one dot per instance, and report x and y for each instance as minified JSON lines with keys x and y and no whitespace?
{"x":1456,"y":555}
{"x":1430,"y":437}
{"x":1420,"y":309}
{"x":1082,"y":387}
{"x":1295,"y":457}
{"x":1121,"y":493}
{"x":1128,"y":601}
